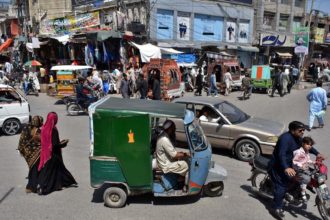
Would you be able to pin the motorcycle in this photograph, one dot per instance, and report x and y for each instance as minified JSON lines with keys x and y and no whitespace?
{"x":31,"y":88}
{"x":263,"y":185}
{"x":74,"y":108}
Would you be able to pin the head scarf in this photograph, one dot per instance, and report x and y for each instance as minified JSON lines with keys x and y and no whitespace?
{"x":28,"y":146}
{"x":37,"y":121}
{"x":46,"y":139}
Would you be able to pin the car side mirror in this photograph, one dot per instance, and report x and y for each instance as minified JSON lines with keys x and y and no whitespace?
{"x":221,"y":121}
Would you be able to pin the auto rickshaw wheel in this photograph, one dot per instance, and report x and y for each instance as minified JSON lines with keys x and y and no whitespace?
{"x":213,"y":189}
{"x":269,"y":91}
{"x":246,"y":150}
{"x":114,"y":197}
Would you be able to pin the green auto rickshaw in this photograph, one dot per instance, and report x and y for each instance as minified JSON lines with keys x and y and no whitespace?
{"x":122,"y":136}
{"x":261,"y":78}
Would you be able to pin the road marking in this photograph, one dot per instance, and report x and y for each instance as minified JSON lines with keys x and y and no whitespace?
{"x":7,"y":194}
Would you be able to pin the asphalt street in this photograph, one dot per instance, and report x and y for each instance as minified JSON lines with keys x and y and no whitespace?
{"x":237,"y":202}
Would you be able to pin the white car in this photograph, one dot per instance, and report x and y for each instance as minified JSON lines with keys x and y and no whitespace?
{"x":14,"y":110}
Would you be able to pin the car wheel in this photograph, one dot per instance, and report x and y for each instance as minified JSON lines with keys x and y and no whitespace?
{"x":114,"y":197}
{"x":246,"y":149}
{"x":11,"y":127}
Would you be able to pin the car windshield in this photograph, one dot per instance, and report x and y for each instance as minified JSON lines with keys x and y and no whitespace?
{"x":197,"y":136}
{"x":232,"y":113}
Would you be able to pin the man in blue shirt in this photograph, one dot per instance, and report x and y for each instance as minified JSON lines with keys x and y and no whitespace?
{"x":213,"y":85}
{"x":281,"y":170}
{"x":318,"y":101}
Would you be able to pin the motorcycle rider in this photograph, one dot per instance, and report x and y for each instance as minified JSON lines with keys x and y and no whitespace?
{"x":84,"y":97}
{"x":281,"y":165}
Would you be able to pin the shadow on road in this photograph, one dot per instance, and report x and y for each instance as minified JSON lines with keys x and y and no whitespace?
{"x":296,"y":212}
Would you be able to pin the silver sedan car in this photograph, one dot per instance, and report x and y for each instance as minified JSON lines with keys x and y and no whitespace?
{"x":228,"y":127}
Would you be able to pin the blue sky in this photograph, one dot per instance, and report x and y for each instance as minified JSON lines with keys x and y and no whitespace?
{"x":322,"y":5}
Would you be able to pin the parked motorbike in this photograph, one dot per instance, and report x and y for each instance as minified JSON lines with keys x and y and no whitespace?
{"x":262,"y":184}
{"x":32,"y":89}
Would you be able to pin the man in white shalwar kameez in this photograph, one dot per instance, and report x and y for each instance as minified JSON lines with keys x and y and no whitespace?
{"x":317,"y":98}
{"x":168,"y":159}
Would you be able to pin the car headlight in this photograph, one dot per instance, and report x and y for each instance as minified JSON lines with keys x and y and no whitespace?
{"x":272,"y":139}
{"x":321,"y":179}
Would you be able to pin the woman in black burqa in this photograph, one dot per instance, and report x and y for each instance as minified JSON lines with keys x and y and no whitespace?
{"x":53,"y":174}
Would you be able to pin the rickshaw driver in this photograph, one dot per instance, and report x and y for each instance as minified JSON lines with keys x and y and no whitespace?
{"x":168,"y":159}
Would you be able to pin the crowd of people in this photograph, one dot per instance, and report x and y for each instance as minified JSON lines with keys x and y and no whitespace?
{"x":41,"y":148}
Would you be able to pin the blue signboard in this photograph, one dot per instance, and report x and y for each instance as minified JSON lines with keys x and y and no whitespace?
{"x":86,"y":2}
{"x":164,"y":24}
{"x":208,"y":28}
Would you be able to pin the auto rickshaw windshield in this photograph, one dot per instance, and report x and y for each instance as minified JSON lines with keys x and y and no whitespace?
{"x":197,"y":136}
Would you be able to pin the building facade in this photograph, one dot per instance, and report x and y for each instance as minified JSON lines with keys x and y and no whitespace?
{"x":276,"y":21}
{"x":227,"y":25}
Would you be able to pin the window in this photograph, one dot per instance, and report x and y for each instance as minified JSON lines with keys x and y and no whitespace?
{"x":283,"y":24}
{"x":268,"y":21}
{"x":299,"y":3}
{"x":286,"y":2}
{"x":212,"y":115}
{"x":7,"y":96}
{"x":232,"y":113}
{"x":296,"y":23}
{"x":197,"y":137}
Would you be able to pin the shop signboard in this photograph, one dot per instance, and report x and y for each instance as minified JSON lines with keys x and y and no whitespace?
{"x":164,"y":24}
{"x":70,"y":24}
{"x":231,"y":32}
{"x":208,"y":28}
{"x":301,"y":39}
{"x":276,"y":40}
{"x":243,"y":32}
{"x":183,"y":26}
{"x":327,"y":38}
{"x":85,"y":2}
{"x":319,"y":35}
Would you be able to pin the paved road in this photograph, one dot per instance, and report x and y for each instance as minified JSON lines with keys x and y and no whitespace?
{"x":237,"y":202}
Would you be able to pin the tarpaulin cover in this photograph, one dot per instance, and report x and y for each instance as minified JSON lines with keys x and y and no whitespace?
{"x":6,"y":44}
{"x":148,"y":51}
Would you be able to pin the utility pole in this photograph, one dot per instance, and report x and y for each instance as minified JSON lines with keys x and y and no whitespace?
{"x":148,"y":10}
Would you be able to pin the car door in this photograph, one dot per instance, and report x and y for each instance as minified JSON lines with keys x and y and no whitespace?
{"x":216,"y":129}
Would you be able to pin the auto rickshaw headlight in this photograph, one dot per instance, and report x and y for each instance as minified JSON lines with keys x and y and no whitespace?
{"x":272,"y":139}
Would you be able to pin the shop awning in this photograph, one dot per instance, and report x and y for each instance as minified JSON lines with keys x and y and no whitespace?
{"x":221,"y":55}
{"x":148,"y":51}
{"x":6,"y":44}
{"x":284,"y":55}
{"x":104,"y":35}
{"x":232,"y":47}
{"x":248,"y":49}
{"x":169,"y":51}
{"x":178,"y":45}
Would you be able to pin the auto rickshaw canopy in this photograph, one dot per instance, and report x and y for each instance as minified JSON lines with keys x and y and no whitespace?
{"x":156,"y":108}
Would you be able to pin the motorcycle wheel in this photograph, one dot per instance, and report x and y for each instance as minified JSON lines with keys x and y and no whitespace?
{"x":258,"y":181}
{"x":321,"y":206}
{"x":73,"y":109}
{"x":213,"y":189}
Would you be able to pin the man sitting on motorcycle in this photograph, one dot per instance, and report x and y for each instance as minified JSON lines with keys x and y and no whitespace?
{"x":84,"y":93}
{"x":281,"y":165}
